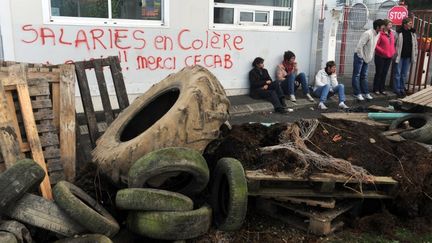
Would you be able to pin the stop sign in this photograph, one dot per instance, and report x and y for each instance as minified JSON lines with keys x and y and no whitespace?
{"x":397,"y":13}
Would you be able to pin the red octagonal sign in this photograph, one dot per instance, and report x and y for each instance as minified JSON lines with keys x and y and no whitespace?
{"x":397,"y":13}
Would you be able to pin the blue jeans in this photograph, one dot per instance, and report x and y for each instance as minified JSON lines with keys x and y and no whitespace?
{"x":400,"y":75}
{"x":359,"y":77}
{"x":288,"y":86}
{"x":323,"y":92}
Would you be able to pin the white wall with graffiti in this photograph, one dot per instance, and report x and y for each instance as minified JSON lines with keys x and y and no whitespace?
{"x":189,"y":35}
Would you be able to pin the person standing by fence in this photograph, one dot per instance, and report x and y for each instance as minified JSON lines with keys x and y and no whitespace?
{"x":384,"y":52}
{"x":406,"y":46}
{"x":363,"y":55}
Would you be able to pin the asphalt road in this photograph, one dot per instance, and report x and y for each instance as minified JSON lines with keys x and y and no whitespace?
{"x":270,"y":117}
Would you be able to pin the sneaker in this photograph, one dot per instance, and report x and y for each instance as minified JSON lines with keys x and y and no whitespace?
{"x":309,"y":97}
{"x":359,"y":97}
{"x":368,"y":96}
{"x":383,"y":93}
{"x":343,"y":106}
{"x":321,"y":106}
{"x":292,"y":98}
{"x":377,"y":93}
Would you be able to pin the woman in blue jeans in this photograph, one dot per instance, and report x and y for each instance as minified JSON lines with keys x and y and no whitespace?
{"x":326,"y":85}
{"x":287,"y":73}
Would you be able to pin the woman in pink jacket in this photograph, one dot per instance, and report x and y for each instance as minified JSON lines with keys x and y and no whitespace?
{"x":384,"y":52}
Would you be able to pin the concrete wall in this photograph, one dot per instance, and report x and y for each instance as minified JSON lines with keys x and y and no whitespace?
{"x":188,"y":21}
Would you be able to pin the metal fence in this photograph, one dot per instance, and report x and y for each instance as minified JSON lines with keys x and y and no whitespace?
{"x":356,"y":19}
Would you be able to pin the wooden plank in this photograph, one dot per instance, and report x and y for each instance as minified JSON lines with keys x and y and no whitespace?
{"x":118,"y":81}
{"x":9,"y":145}
{"x":316,"y":177}
{"x":30,"y":126}
{"x":56,"y":103}
{"x":310,"y":201}
{"x":43,"y":114}
{"x":49,"y":139}
{"x":67,"y":121}
{"x":414,"y":96}
{"x":46,"y":126}
{"x":12,"y":113}
{"x":109,"y":115}
{"x":51,"y":153}
{"x":87,"y":103}
{"x":380,"y":108}
{"x":276,"y":192}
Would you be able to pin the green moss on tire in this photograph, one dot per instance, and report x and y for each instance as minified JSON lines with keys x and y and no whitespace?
{"x":171,"y":225}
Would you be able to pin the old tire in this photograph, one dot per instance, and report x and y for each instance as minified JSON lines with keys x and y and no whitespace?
{"x":21,"y":233}
{"x":152,"y":200}
{"x":91,"y":238}
{"x":182,"y":170}
{"x":76,"y":203}
{"x":45,"y":214}
{"x":6,"y":237}
{"x":171,"y":225}
{"x":185,"y":109}
{"x":229,"y":194}
{"x":17,"y":180}
{"x":422,"y":123}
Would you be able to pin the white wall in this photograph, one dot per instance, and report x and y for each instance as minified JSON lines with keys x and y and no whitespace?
{"x":27,"y":25}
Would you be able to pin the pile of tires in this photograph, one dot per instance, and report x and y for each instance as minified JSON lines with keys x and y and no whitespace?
{"x":72,"y":212}
{"x":421,"y":124}
{"x":161,"y":185}
{"x":186,"y":109}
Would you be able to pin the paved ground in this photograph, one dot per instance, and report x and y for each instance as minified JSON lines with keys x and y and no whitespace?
{"x":302,"y":112}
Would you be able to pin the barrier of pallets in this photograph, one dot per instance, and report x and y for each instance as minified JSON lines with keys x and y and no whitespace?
{"x":40,"y":103}
{"x":318,"y":185}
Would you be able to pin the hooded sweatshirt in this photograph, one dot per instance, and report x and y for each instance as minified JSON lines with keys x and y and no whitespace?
{"x":385,"y":45}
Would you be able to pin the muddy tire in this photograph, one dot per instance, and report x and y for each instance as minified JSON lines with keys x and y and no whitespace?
{"x":152,"y":200}
{"x":422,"y":123}
{"x":21,"y":233}
{"x":45,"y":214}
{"x":6,"y":237}
{"x":17,"y":180}
{"x":185,"y":109}
{"x":179,"y":170}
{"x":91,"y":238}
{"x":170,"y":225}
{"x":229,"y":194}
{"x":76,"y":203}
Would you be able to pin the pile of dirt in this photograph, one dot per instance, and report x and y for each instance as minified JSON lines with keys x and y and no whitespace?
{"x":407,"y":162}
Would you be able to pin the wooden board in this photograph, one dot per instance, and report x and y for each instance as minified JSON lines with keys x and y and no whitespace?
{"x":310,"y":201}
{"x":282,"y":185}
{"x":422,"y":98}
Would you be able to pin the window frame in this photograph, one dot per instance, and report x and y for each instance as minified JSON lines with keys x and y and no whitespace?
{"x":64,"y":20}
{"x":238,"y":25}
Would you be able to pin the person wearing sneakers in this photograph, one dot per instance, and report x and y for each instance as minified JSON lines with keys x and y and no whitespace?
{"x":364,"y":53}
{"x":326,"y":85}
{"x":262,"y":86}
{"x":384,"y":52}
{"x":406,"y":46}
{"x":287,"y":73}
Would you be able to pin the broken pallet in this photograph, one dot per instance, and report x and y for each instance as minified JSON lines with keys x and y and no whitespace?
{"x":313,"y":220}
{"x":281,"y":185}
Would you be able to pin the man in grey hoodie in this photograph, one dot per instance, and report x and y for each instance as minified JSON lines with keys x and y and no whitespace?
{"x":363,"y":55}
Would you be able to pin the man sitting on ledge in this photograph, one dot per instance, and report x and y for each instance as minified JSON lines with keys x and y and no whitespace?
{"x":262,"y":86}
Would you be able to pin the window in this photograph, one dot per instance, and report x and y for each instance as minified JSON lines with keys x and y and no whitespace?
{"x":108,"y":11}
{"x":261,"y":14}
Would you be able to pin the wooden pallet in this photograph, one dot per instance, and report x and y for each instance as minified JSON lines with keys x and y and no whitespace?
{"x":309,"y":201}
{"x":109,"y":114}
{"x":52,"y":94}
{"x":18,"y":80}
{"x":313,"y":220}
{"x":422,"y":98}
{"x":281,"y":185}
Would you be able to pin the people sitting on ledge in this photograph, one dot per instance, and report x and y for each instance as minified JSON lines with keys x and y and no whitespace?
{"x":262,"y":86}
{"x":326,"y":85}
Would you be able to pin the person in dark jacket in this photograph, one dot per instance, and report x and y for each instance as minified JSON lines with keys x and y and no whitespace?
{"x":262,"y":86}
